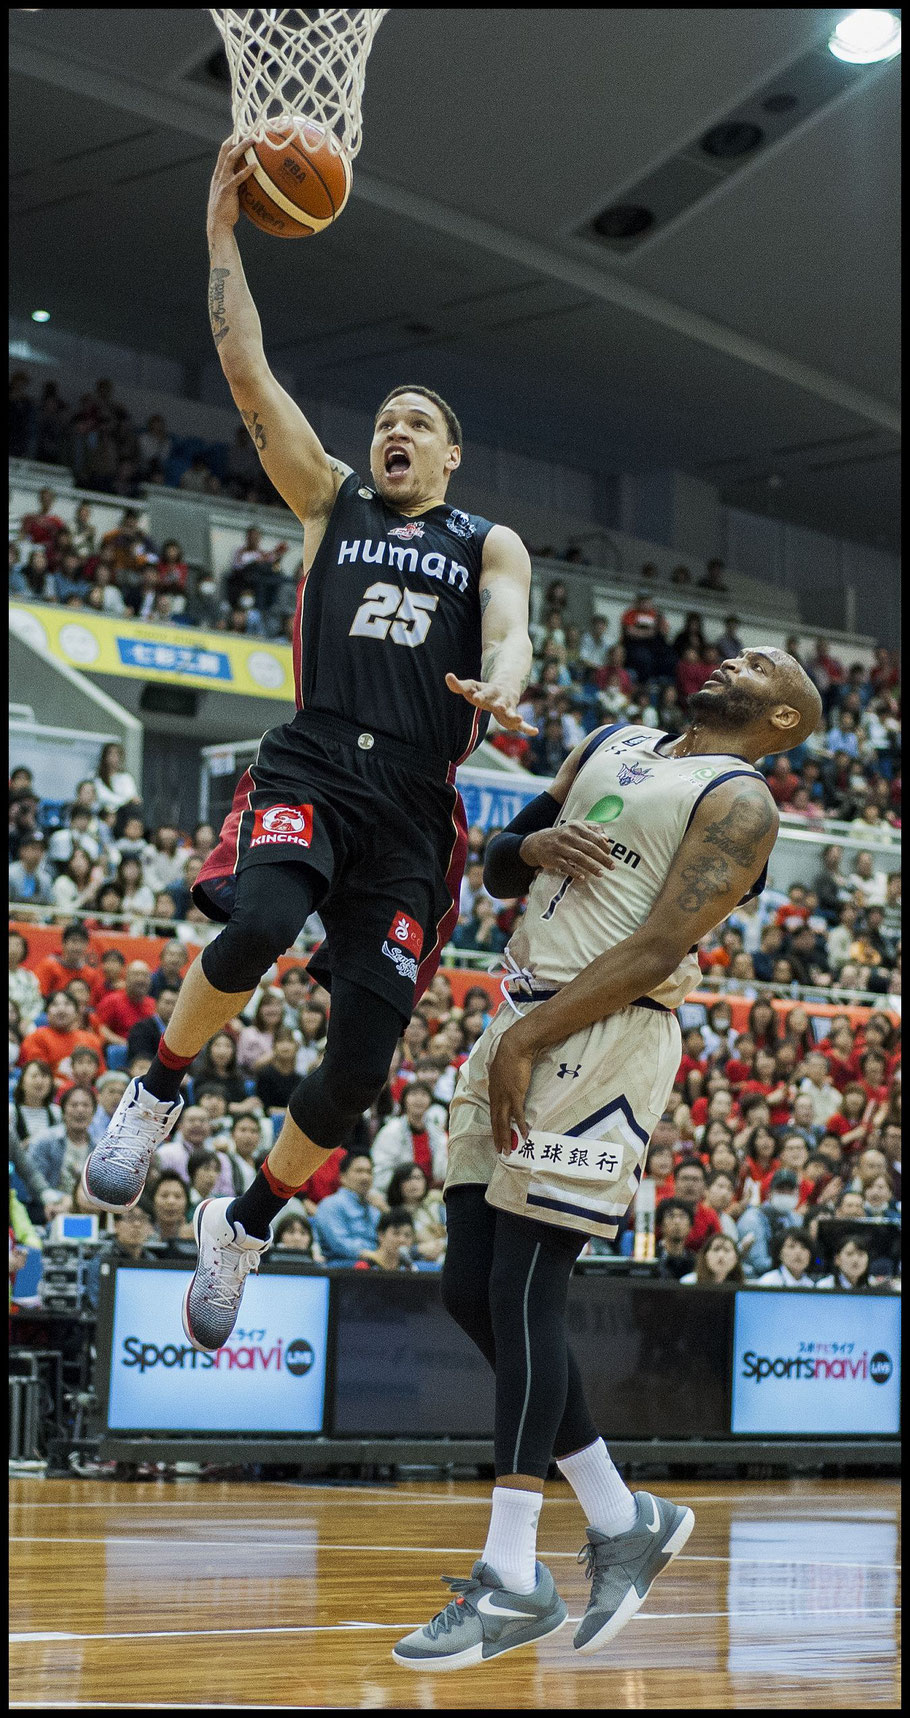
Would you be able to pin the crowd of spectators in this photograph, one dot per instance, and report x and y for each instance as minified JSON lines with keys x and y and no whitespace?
{"x":772,"y":1134}
{"x":582,"y":677}
{"x":107,"y":452}
{"x":122,"y":572}
{"x":778,"y":1160}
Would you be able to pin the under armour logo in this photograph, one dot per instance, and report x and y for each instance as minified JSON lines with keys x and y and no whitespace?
{"x":565,"y":1071}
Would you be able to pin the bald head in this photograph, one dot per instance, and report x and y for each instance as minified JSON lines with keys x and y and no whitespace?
{"x":761,"y":699}
{"x":794,"y":694}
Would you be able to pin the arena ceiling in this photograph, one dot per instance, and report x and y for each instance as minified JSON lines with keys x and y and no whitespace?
{"x":752,"y":338}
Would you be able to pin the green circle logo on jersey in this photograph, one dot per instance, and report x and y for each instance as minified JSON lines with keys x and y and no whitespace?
{"x":605,"y":810}
{"x":702,"y":775}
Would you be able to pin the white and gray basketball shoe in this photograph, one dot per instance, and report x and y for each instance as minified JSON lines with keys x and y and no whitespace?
{"x":621,"y":1569}
{"x":483,"y":1621}
{"x":227,"y":1254}
{"x":114,"y":1174}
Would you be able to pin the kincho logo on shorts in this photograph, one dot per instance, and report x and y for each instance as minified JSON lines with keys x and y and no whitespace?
{"x":285,"y":825}
{"x":403,"y":942}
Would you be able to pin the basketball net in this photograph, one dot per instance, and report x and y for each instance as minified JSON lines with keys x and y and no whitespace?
{"x":290,"y":66}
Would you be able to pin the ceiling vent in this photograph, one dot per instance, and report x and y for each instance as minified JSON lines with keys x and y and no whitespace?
{"x":680,"y":183}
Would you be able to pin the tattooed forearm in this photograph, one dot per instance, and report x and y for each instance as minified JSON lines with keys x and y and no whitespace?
{"x":256,"y":428}
{"x":486,"y":597}
{"x":489,"y":661}
{"x":217,"y":313}
{"x":744,"y":827}
{"x":701,"y":884}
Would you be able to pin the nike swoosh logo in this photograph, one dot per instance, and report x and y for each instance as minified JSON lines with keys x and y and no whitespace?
{"x":489,"y":1609}
{"x":654,"y":1526}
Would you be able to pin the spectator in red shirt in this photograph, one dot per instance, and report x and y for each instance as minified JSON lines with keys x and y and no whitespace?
{"x":57,"y":1040}
{"x":762,"y":1078}
{"x":121,"y":1010}
{"x":660,"y":1168}
{"x":718,"y":1107}
{"x":43,"y":527}
{"x":640,"y":627}
{"x":797,"y":911}
{"x":56,"y":971}
{"x":693,"y":1058}
{"x":848,"y":1122}
{"x":873,"y":1076}
{"x":876,"y":1034}
{"x":782,"y":780}
{"x":740,"y":1066}
{"x":692,"y":671}
{"x":690,"y":1186}
{"x":837,"y":1049}
{"x":173,"y":571}
{"x":326,"y":1179}
{"x":761,"y":1157}
{"x":113,"y":967}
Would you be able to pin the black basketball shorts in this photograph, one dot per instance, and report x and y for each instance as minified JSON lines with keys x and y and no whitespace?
{"x":381,"y":823}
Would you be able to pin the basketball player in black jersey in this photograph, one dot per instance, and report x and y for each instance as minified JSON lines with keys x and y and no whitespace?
{"x":411,"y":629}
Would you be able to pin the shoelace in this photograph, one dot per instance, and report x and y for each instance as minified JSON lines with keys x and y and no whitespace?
{"x":454,"y":1612}
{"x":123,"y":1147}
{"x":219,"y":1292}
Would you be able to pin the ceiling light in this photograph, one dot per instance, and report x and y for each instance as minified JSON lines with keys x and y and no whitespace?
{"x":41,"y":316}
{"x":865,"y":36}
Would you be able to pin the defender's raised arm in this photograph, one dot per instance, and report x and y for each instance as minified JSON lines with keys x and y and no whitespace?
{"x":289,"y":450}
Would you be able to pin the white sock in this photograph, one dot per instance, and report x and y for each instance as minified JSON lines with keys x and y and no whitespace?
{"x":511,"y":1547}
{"x":605,"y":1498}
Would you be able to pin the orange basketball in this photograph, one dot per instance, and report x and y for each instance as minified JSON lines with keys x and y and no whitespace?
{"x":298,"y":188}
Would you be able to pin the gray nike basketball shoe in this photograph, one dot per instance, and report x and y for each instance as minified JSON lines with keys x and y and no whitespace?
{"x":621,"y":1569}
{"x":483,"y":1621}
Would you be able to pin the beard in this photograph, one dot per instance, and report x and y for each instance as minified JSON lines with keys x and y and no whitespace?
{"x":727,"y":707}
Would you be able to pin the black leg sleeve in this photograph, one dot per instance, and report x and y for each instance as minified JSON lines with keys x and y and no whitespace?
{"x":488,"y":1268}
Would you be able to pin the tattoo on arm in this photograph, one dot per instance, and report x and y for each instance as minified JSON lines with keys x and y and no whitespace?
{"x":256,"y":428}
{"x":486,"y":597}
{"x":744,"y":827}
{"x":217,"y":313}
{"x":736,"y":836}
{"x":489,"y":661}
{"x":701,"y":883}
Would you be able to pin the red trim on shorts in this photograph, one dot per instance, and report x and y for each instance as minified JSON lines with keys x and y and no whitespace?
{"x":222,"y":861}
{"x":430,"y":963}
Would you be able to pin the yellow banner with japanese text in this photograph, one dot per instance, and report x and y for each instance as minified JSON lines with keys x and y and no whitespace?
{"x":100,"y":644}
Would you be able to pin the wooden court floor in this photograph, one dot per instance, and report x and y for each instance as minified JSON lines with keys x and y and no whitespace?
{"x":200,"y":1595}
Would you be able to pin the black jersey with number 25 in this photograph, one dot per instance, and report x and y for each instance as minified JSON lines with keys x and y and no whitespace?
{"x":389,"y":607}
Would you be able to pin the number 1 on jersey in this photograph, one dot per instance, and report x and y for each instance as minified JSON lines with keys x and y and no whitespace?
{"x":550,"y":910}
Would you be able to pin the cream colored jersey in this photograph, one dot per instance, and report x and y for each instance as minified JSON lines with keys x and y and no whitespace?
{"x":647,"y":800}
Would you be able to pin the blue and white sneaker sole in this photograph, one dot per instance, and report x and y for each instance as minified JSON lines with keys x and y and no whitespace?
{"x":632,"y":1601}
{"x":474,"y":1654}
{"x":197,"y":1216}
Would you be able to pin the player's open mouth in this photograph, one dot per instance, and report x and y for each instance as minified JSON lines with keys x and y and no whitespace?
{"x":397,"y":462}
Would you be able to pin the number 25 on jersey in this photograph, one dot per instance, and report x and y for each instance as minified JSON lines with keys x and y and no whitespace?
{"x":388,"y":612}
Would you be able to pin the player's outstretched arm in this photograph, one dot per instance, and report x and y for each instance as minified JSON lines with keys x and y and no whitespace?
{"x":505,"y":586}
{"x":289,"y":449}
{"x":722,"y":854}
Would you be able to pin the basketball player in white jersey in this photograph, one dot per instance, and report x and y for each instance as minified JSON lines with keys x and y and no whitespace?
{"x":553,"y":1111}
